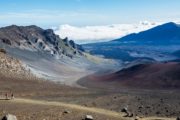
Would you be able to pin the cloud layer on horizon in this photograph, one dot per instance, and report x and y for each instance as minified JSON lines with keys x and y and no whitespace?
{"x":90,"y":34}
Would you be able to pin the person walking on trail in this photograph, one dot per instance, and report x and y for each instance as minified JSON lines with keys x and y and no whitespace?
{"x":12,"y":96}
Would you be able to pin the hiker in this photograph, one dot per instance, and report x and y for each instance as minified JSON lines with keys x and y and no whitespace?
{"x":12,"y":96}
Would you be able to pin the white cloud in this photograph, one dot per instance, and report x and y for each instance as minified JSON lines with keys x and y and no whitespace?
{"x":90,"y":34}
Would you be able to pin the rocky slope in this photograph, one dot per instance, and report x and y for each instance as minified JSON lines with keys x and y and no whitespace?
{"x":49,"y":56}
{"x":36,"y":39}
{"x":12,"y":67}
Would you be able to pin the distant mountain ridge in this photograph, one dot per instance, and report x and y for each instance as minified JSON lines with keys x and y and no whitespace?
{"x":37,"y":39}
{"x":158,"y":43}
{"x":102,"y":33}
{"x":163,"y":34}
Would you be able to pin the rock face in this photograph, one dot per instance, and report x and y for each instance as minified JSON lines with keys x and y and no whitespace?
{"x":9,"y":117}
{"x":47,"y":55}
{"x":37,"y":39}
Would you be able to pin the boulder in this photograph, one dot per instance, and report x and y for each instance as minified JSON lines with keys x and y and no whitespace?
{"x":9,"y":117}
{"x":125,"y":109}
{"x":128,"y":114}
{"x":136,"y":118}
{"x":2,"y":50}
{"x":66,"y":112}
{"x":89,"y":117}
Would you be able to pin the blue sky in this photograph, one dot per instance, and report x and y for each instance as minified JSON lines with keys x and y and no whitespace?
{"x":48,"y":13}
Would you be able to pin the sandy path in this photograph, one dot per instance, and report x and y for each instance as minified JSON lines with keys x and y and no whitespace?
{"x":71,"y":106}
{"x":83,"y":108}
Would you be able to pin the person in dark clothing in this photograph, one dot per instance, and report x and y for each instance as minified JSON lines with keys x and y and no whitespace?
{"x":12,"y":96}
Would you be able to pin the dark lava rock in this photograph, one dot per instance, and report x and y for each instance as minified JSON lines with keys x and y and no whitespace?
{"x":9,"y":117}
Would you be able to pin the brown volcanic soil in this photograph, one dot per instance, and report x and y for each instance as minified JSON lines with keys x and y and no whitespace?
{"x":143,"y":76}
{"x":141,"y":102}
{"x":148,"y":90}
{"x":49,"y":91}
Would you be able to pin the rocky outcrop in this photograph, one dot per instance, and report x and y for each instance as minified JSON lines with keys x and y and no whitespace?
{"x":37,"y":39}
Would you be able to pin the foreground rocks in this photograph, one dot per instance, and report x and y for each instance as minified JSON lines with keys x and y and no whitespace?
{"x":128,"y":114}
{"x":136,"y":118}
{"x":9,"y":117}
{"x":89,"y":117}
{"x":66,"y":112}
{"x":125,"y":110}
